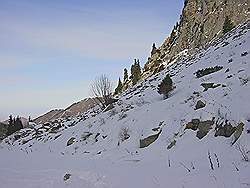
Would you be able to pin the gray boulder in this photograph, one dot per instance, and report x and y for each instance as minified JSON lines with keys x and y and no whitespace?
{"x":149,"y":140}
{"x":199,"y":104}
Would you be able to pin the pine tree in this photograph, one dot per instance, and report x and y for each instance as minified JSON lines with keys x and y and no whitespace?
{"x":228,"y":25}
{"x":138,"y":68}
{"x":125,"y":76}
{"x":18,"y":124}
{"x":165,"y":86}
{"x":154,"y":49}
{"x":135,"y":71}
{"x":118,"y":89}
{"x":10,"y":120}
{"x":15,"y":124}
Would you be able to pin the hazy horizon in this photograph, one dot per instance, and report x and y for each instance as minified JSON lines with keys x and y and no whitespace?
{"x":52,"y":51}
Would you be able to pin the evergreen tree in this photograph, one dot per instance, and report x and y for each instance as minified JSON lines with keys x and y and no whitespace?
{"x":10,"y":120}
{"x":135,"y":71}
{"x":138,"y":68}
{"x":18,"y":124}
{"x":15,"y":124}
{"x":154,"y":49}
{"x":118,"y":89}
{"x":165,"y":86}
{"x":125,"y":76}
{"x":228,"y":25}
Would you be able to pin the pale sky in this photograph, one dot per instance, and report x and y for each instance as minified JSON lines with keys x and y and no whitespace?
{"x":51,"y":51}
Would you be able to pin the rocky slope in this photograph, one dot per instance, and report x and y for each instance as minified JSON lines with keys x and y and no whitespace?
{"x":70,"y":112}
{"x":201,"y":22}
{"x":49,"y":116}
{"x":198,"y":137}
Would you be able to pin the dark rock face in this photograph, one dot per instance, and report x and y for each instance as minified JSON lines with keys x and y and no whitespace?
{"x":149,"y":140}
{"x":71,"y":141}
{"x":209,"y":86}
{"x":238,"y":131}
{"x":193,"y":125}
{"x":225,"y":130}
{"x":203,"y":127}
{"x":201,"y":21}
{"x":200,"y":104}
{"x":172,"y":144}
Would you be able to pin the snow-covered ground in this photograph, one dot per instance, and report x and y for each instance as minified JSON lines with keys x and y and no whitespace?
{"x":103,"y":150}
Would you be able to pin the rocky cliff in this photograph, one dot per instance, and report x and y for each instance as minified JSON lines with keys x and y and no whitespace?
{"x":201,"y":21}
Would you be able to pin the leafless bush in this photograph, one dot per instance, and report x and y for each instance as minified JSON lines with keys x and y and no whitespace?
{"x":140,"y":102}
{"x":89,"y":125}
{"x":122,"y":115}
{"x":217,"y":160}
{"x":101,"y":89}
{"x":102,"y":121}
{"x":124,"y":134}
{"x":245,"y":80}
{"x":210,"y":160}
{"x":185,"y":167}
{"x":192,"y":166}
{"x":237,"y":169}
{"x":241,"y":148}
{"x":112,"y":112}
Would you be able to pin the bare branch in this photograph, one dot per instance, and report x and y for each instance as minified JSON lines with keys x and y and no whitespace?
{"x":101,"y":88}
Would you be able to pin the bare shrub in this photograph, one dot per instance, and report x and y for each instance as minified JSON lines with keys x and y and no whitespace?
{"x":102,"y":121}
{"x":122,"y":115}
{"x":210,"y":160}
{"x":241,"y":148}
{"x":112,"y":112}
{"x":101,"y":89}
{"x":124,"y":134}
{"x":184,"y":166}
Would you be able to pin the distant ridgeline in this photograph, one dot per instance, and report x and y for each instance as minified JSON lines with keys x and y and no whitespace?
{"x":201,"y":22}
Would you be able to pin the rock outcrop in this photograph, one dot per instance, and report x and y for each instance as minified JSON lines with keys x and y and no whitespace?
{"x":201,"y":21}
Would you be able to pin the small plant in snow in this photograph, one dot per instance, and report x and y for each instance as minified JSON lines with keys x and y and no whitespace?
{"x":165,"y":86}
{"x":140,"y":102}
{"x":89,"y":125}
{"x":243,"y":151}
{"x":184,"y":166}
{"x":102,"y":121}
{"x":112,"y":112}
{"x":122,"y":116}
{"x":244,"y":81}
{"x":210,"y":161}
{"x":124,"y":134}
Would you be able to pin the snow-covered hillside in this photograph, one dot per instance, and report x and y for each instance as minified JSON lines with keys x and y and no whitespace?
{"x":193,"y":144}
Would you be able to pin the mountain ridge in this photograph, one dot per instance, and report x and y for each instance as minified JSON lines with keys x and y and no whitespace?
{"x":71,"y":111}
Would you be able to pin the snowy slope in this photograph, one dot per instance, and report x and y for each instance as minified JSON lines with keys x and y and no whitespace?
{"x":94,"y":151}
